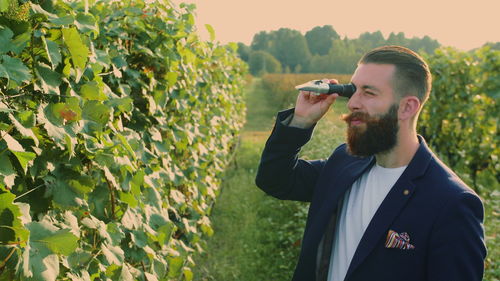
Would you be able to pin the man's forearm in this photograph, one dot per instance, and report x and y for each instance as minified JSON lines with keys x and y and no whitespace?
{"x":281,"y":174}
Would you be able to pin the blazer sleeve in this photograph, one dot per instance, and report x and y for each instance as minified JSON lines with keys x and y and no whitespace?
{"x":281,"y":173}
{"x":457,"y":249}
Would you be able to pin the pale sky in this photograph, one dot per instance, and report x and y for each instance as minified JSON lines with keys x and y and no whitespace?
{"x":463,"y":24}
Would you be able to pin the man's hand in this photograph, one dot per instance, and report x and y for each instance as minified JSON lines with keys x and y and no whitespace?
{"x":310,"y":108}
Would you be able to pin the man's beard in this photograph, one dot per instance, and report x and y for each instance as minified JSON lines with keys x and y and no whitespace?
{"x":380,"y":134}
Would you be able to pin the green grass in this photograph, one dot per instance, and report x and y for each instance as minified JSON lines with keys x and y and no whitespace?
{"x":256,"y":236}
{"x":492,"y":228}
{"x":261,"y":111}
{"x":227,"y":255}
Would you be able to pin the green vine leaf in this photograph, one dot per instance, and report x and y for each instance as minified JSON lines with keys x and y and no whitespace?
{"x":86,"y":22}
{"x":5,"y":38}
{"x":53,"y":53}
{"x":11,"y":227}
{"x":4,"y":5}
{"x":12,"y":144}
{"x":20,"y":42}
{"x":51,"y":123}
{"x":37,"y":9}
{"x":64,"y":20}
{"x":40,"y":261}
{"x":92,"y":91}
{"x":79,"y":52}
{"x":49,"y":80}
{"x":15,"y":69}
{"x":211,"y":31}
{"x":7,"y":170}
{"x":175,"y":266}
{"x":27,"y":120}
{"x":25,"y":158}
{"x":3,"y":72}
{"x":68,"y":187}
{"x":61,"y":242}
{"x":97,"y":115}
{"x":113,"y":254}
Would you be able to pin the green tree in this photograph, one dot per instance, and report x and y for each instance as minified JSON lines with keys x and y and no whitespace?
{"x":261,"y":62}
{"x":493,"y":46}
{"x":261,"y":41}
{"x":322,"y":50}
{"x":372,"y":40}
{"x":397,"y":39}
{"x":320,"y":39}
{"x":290,"y":48}
{"x":244,"y":51}
{"x":426,"y":44}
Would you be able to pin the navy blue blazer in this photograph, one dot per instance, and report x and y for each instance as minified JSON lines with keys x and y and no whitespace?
{"x":441,"y":215}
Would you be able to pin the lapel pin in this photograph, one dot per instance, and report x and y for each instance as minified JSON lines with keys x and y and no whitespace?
{"x":406,"y":192}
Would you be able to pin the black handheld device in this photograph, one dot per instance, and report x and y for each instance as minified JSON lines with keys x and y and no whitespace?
{"x":321,"y":87}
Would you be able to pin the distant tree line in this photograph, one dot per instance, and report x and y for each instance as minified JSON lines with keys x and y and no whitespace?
{"x":320,"y":50}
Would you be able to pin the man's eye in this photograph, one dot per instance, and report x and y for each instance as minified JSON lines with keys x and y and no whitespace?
{"x":370,"y":93}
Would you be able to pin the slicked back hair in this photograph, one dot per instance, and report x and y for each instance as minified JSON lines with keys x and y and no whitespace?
{"x":412,"y":75}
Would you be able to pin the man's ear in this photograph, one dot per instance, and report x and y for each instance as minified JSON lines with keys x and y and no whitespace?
{"x":408,"y":107}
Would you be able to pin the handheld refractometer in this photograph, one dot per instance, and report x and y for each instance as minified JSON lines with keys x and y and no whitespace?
{"x":322,"y":87}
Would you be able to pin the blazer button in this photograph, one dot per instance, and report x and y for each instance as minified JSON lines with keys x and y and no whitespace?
{"x":406,"y":192}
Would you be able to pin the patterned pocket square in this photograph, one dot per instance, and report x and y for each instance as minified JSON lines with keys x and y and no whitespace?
{"x":398,"y":241}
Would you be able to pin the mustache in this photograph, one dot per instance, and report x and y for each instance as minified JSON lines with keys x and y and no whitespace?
{"x":358,"y":115}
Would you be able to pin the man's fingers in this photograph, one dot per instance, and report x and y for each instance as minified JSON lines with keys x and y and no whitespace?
{"x":328,"y":101}
{"x":331,"y":98}
{"x":306,"y":95}
{"x":330,"y":81}
{"x":314,"y":98}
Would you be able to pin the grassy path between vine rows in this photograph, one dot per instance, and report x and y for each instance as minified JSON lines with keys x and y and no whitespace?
{"x":233,"y":252}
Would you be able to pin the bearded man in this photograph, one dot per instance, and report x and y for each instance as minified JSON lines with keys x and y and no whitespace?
{"x":383,"y":206}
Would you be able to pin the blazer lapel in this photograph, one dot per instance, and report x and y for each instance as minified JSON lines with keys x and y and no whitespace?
{"x":337,"y":184}
{"x":343,"y":180}
{"x":390,"y":208}
{"x":381,"y":221}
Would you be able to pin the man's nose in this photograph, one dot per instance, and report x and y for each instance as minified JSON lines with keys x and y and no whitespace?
{"x":354,"y":102}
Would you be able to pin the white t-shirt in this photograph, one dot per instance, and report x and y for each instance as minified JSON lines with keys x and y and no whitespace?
{"x":359,"y":205}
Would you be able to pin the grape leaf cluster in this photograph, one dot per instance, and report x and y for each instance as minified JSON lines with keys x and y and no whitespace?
{"x":116,"y":123}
